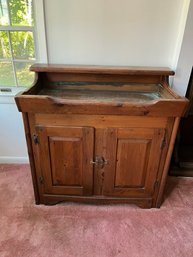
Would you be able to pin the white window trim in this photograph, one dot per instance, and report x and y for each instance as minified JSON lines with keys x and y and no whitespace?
{"x":40,"y":32}
{"x":40,"y":46}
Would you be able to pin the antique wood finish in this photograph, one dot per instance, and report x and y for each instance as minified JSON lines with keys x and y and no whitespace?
{"x":98,"y":69}
{"x":54,"y":199}
{"x":31,"y":157}
{"x":100,"y":150}
{"x":167,"y":161}
{"x":65,"y":154}
{"x":101,"y":121}
{"x":36,"y":157}
{"x":99,"y":134}
{"x":162,"y":173}
{"x":133,"y":161}
{"x":47,"y":104}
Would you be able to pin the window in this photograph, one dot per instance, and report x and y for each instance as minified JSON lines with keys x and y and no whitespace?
{"x":17,"y":43}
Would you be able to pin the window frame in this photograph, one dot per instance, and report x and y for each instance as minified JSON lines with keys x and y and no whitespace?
{"x":40,"y":44}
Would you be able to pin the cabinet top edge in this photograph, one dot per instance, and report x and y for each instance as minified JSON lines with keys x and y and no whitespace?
{"x":96,"y":69}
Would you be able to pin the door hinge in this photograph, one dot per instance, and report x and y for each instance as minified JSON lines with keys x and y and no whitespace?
{"x":41,"y":180}
{"x":163,"y":143}
{"x":36,"y":139}
{"x":156,"y":184}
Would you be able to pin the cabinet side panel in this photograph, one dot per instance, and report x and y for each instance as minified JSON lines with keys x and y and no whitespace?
{"x":31,"y":156}
{"x":172,"y":128}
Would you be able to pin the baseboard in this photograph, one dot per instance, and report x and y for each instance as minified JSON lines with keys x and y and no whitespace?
{"x":9,"y":160}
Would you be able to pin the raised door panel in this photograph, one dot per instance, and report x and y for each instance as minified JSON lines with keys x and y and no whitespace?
{"x":127,"y":152}
{"x":65,"y":154}
{"x":133,"y":161}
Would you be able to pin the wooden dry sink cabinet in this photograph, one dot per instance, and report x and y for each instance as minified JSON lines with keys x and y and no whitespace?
{"x":99,"y":134}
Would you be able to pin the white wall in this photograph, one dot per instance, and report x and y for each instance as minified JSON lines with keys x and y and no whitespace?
{"x":185,"y":62}
{"x":108,"y":32}
{"x":12,"y":139}
{"x":125,"y":32}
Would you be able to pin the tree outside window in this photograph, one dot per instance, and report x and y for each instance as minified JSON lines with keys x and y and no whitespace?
{"x":17,"y":48}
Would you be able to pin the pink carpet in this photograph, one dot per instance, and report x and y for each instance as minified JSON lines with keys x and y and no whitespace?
{"x":77,"y":230}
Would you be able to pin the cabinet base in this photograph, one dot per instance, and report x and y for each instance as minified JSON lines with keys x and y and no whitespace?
{"x":55,"y":199}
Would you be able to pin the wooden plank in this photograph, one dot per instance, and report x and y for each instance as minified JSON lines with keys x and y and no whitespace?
{"x":131,"y":70}
{"x":63,"y":88}
{"x":58,"y":131}
{"x":138,"y":133}
{"x":100,"y":151}
{"x":100,"y":121}
{"x":82,"y":77}
{"x":45,"y":104}
{"x":110,"y":156}
{"x":88,"y":155}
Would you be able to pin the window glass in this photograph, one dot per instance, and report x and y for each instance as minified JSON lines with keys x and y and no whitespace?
{"x":4,"y":45}
{"x":4,"y":17}
{"x":7,"y":74}
{"x":17,"y":47}
{"x":22,"y":45}
{"x":21,"y":12}
{"x":24,"y":77}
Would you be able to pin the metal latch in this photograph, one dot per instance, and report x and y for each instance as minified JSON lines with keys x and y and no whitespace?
{"x":99,"y":161}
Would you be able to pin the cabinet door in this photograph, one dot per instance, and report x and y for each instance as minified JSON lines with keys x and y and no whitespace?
{"x":133,"y":159}
{"x":65,"y":154}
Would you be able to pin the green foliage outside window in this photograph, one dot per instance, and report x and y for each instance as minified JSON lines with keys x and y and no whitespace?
{"x":17,"y":50}
{"x":21,"y":12}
